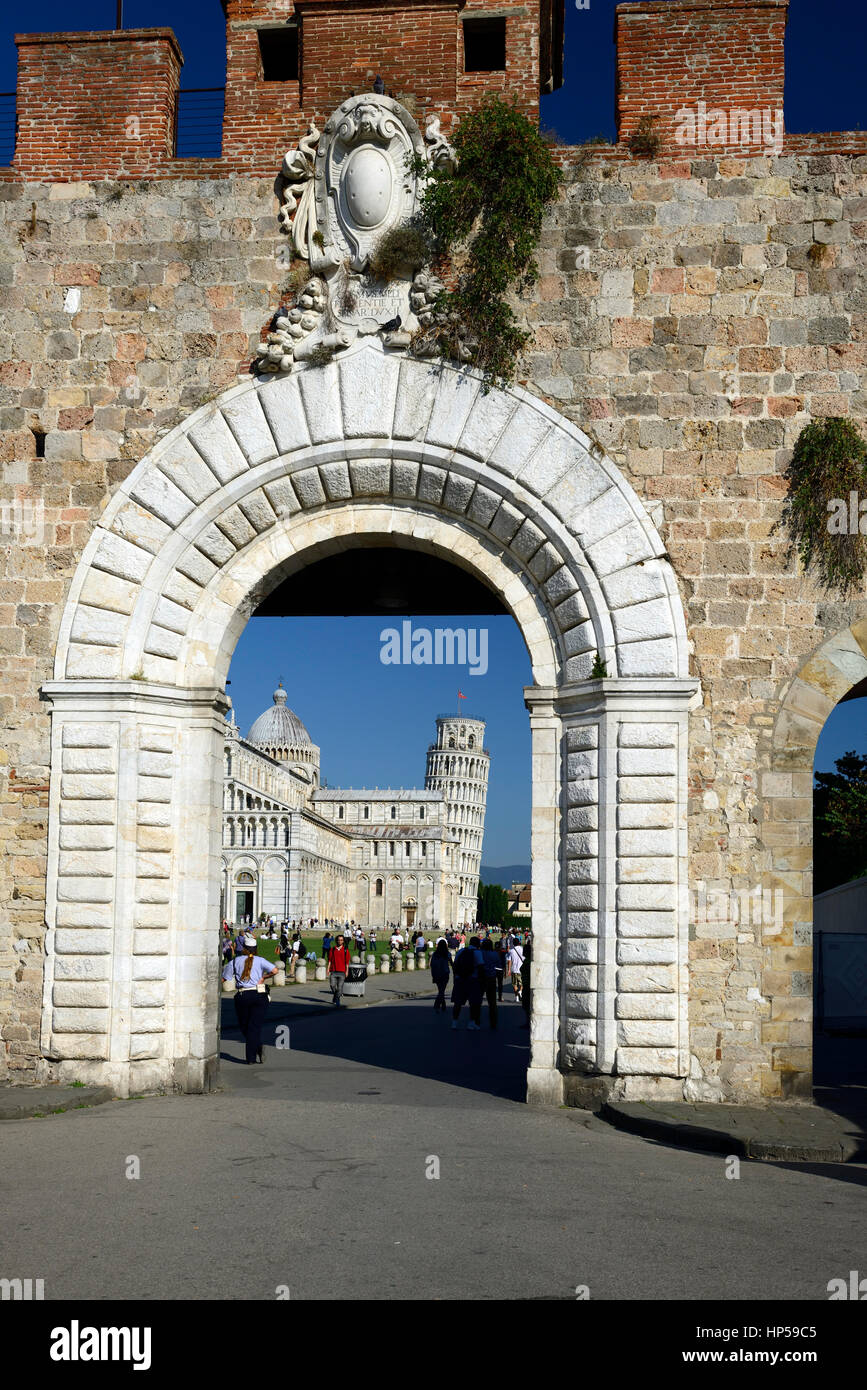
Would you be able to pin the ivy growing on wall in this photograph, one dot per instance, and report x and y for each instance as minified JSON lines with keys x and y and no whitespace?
{"x":829,"y":464}
{"x":482,"y":221}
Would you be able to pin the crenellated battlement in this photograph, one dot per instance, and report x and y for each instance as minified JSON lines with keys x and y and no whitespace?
{"x":696,"y":74}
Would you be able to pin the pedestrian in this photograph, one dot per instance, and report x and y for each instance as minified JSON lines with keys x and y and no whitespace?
{"x":440,"y":969}
{"x":338,"y":963}
{"x":490,"y":965}
{"x":327,"y":941}
{"x":502,"y":966}
{"x":251,"y":1000}
{"x":420,"y":945}
{"x":359,"y":941}
{"x":516,"y":961}
{"x":468,"y":985}
{"x":526,"y":989}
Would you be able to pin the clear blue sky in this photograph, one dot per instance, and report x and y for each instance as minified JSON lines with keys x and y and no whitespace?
{"x":825,"y":56}
{"x":373,"y":723}
{"x":845,"y":730}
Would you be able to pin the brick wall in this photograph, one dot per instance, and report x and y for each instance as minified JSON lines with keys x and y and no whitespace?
{"x":98,"y":105}
{"x":676,"y":53}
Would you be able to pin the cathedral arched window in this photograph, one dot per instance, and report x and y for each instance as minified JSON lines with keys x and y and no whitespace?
{"x":379,"y":887}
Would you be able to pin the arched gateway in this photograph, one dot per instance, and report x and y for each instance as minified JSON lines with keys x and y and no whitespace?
{"x":373,"y":449}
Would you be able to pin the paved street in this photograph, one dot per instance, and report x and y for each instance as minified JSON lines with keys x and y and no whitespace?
{"x":311,"y":1172}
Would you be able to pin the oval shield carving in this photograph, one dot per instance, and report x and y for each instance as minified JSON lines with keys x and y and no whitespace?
{"x":367,"y":187}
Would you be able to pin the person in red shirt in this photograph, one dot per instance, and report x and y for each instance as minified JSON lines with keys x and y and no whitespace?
{"x":338,"y":964}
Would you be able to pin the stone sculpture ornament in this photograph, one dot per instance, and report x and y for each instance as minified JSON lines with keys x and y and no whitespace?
{"x":345,"y":190}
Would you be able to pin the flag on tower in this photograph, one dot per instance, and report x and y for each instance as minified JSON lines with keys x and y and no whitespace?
{"x":461,"y":695}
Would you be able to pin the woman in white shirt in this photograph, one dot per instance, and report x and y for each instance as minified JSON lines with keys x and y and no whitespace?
{"x":250,"y":973}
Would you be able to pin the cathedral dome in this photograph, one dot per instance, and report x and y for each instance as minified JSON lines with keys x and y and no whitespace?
{"x":278,"y":727}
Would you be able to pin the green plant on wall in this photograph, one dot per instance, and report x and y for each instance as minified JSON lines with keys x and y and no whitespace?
{"x":829,"y":463}
{"x":482,"y":219}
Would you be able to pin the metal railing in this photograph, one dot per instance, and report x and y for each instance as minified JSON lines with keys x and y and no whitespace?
{"x":199,"y":123}
{"x":7,"y":128}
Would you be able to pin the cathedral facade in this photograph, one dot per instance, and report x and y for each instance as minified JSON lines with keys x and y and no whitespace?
{"x":295,"y":850}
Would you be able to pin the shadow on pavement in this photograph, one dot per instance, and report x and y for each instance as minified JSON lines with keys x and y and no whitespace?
{"x":406,"y":1037}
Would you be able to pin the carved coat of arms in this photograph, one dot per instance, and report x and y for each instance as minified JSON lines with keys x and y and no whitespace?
{"x":346,"y":189}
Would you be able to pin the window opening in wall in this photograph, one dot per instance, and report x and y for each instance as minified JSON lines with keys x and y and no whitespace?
{"x":484,"y":45}
{"x":279,"y":52}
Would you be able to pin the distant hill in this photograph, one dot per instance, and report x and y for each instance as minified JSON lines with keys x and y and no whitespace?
{"x":505,"y":874}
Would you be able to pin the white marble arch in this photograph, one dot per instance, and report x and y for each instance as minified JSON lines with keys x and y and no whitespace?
{"x":372,"y":449}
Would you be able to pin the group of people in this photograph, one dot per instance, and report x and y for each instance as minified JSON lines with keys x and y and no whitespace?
{"x":479,"y":969}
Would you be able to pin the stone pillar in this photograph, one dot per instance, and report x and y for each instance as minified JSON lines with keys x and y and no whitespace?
{"x":544,"y":1078}
{"x":621,"y":914}
{"x":133,"y":885}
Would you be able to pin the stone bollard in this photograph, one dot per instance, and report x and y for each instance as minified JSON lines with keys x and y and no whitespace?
{"x":371,"y":958}
{"x":356,"y":960}
{"x":398,"y":961}
{"x":410,"y":961}
{"x":385,"y":965}
{"x":301,"y":973}
{"x":321,"y":970}
{"x":421,"y":961}
{"x":371,"y":965}
{"x":279,"y":979}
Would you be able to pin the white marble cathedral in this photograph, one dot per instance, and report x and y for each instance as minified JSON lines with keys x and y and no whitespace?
{"x":295,"y":850}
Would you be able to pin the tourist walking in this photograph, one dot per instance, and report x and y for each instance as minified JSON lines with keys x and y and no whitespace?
{"x":467,"y":989}
{"x":250,"y":972}
{"x":502,"y":966}
{"x":440,"y":969}
{"x":339,"y":959}
{"x":490,"y":965}
{"x":526,"y":990}
{"x":516,"y":961}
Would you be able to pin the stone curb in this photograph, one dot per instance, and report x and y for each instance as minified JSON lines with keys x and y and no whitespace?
{"x":26,"y":1102}
{"x":641,"y":1120}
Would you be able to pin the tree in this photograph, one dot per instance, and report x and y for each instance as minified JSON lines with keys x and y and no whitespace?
{"x":493,"y":904}
{"x":840,"y":822}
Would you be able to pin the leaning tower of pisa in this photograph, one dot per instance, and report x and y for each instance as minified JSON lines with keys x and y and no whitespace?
{"x":458,"y":765}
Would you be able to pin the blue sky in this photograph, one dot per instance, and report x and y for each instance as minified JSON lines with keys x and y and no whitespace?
{"x":844,"y":731}
{"x":825,"y":50}
{"x":374,"y":722}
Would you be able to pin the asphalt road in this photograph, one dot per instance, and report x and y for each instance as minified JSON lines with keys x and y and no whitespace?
{"x":311,"y":1173}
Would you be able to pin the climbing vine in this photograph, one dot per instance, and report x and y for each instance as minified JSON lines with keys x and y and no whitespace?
{"x":828,"y":466}
{"x":482,"y":218}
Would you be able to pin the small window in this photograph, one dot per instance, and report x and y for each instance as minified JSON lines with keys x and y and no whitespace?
{"x":279,"y":52}
{"x":367,"y":813}
{"x":376,"y":849}
{"x":408,"y":849}
{"x":421,"y":813}
{"x":379,"y":887}
{"x":484,"y":45}
{"x":424,"y":846}
{"x":340,"y":813}
{"x":394,"y":813}
{"x":391,"y":848}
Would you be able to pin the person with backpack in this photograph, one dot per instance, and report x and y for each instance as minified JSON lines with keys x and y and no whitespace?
{"x":339,"y":959}
{"x":468,"y":985}
{"x":440,"y":969}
